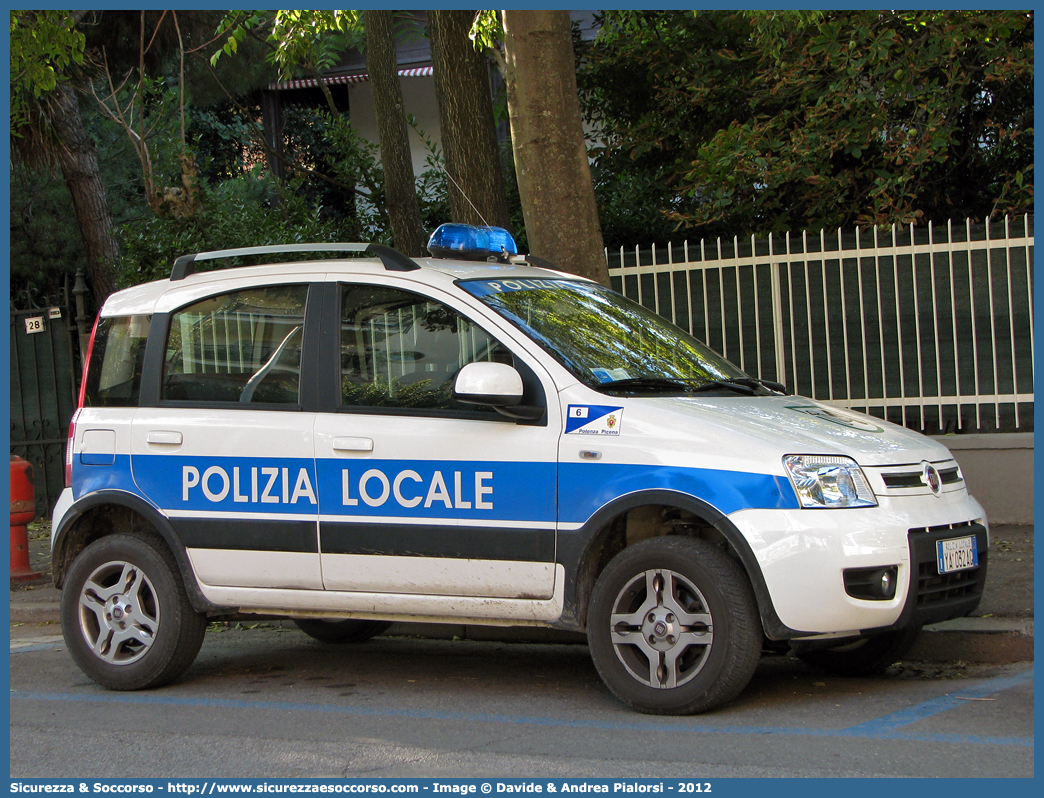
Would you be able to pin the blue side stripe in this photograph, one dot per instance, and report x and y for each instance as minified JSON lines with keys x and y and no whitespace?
{"x":229,"y":484}
{"x":424,"y":490}
{"x":92,"y":478}
{"x":586,"y":487}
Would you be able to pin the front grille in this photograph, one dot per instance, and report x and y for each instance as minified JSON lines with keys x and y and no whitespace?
{"x":939,"y":597}
{"x":964,"y":528}
{"x":934,"y":588}
{"x":903,"y":480}
{"x":948,"y":476}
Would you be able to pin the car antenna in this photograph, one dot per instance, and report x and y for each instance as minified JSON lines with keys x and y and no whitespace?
{"x":478,"y":213}
{"x":464,"y":194}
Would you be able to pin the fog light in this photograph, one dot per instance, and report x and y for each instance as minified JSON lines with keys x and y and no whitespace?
{"x":871,"y":584}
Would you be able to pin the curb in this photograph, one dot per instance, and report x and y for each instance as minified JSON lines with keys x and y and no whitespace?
{"x":35,"y":612}
{"x":981,"y":640}
{"x":972,"y":640}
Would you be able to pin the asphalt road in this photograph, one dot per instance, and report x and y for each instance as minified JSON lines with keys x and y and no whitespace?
{"x":270,"y":702}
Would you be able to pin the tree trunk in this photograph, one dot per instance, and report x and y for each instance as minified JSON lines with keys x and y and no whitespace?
{"x":554,"y":176}
{"x":78,"y":159}
{"x":399,"y":183}
{"x":469,"y":137}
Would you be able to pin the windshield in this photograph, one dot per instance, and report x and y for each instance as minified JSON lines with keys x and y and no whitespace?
{"x":604,"y":338}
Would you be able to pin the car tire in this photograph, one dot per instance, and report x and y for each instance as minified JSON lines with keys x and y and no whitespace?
{"x":673,"y":626}
{"x":863,"y":656}
{"x":126,"y":616}
{"x":350,"y":630}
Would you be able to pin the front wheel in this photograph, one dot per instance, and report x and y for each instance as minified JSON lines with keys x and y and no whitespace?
{"x":673,"y":626}
{"x":125,"y":615}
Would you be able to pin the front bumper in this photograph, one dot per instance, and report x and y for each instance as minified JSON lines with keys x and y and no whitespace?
{"x":935,"y":597}
{"x":803,"y":553}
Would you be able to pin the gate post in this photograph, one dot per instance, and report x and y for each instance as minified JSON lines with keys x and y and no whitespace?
{"x":777,"y":324}
{"x":82,"y":319}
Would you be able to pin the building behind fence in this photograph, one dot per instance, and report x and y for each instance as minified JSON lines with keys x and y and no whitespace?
{"x":930,"y":327}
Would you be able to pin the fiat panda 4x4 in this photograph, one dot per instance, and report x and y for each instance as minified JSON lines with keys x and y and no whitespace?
{"x":478,"y":438}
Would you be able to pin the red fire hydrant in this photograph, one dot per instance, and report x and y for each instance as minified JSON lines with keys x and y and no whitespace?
{"x":23,"y":511}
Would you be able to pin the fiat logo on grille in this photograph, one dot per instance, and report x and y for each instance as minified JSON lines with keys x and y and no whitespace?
{"x":930,"y":477}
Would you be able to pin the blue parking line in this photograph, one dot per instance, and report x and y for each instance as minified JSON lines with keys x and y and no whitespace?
{"x":904,"y":717}
{"x":889,"y":730}
{"x":38,"y":647}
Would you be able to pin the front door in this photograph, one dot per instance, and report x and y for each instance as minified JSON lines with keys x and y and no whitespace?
{"x":420,"y":494}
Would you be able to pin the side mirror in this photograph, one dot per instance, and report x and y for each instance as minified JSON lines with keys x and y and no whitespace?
{"x":488,"y":383}
{"x":498,"y":385}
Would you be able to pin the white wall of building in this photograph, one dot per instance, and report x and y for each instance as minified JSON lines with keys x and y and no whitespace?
{"x":418,"y":97}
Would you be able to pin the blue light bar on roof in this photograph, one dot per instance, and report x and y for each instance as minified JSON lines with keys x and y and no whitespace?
{"x":468,"y":242}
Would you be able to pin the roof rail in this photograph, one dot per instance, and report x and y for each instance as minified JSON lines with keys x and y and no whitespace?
{"x":392,"y":259}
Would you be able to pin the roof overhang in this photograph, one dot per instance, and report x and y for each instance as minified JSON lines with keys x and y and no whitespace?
{"x":340,"y":80}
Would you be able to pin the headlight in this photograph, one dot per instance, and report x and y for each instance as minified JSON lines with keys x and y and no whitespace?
{"x":822,"y":481}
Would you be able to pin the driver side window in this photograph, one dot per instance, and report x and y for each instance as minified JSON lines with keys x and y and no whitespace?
{"x":400,"y":349}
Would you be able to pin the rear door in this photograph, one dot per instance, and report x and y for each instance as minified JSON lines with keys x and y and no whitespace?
{"x":419,"y":494}
{"x":226,"y":450}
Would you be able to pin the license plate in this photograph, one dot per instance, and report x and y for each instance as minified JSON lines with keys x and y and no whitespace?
{"x":958,"y":554}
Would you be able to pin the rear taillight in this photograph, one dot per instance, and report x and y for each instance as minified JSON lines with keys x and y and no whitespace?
{"x":87,"y":363}
{"x":69,"y":446}
{"x":71,"y":442}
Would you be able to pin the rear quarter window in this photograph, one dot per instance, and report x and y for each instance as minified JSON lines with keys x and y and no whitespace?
{"x":114,"y":371}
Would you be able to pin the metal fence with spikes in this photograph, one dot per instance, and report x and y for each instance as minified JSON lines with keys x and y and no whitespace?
{"x":930,"y":327}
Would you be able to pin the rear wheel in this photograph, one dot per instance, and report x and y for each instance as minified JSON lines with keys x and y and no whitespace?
{"x":863,"y":656}
{"x":673,"y":626}
{"x":340,"y":632}
{"x":126,"y":616}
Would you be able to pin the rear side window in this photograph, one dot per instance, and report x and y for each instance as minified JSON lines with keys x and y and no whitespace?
{"x":114,"y":371}
{"x":242,"y":347}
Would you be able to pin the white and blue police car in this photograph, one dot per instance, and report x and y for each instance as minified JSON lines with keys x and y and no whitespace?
{"x":478,"y":438}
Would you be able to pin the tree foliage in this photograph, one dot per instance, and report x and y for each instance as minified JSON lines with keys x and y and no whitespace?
{"x":296,"y":39}
{"x":44,"y":45}
{"x":242,"y":205}
{"x":309,"y":39}
{"x":233,"y":213}
{"x":740,"y":121}
{"x":48,"y":132}
{"x":335,"y":183}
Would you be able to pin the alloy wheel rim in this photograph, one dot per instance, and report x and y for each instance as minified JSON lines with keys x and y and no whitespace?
{"x":119,"y":613}
{"x":661,"y":629}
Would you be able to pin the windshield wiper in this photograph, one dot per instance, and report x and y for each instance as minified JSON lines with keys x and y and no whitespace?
{"x":680,"y":385}
{"x":778,"y":387}
{"x":744,"y":385}
{"x":715,"y":385}
{"x":646,"y":384}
